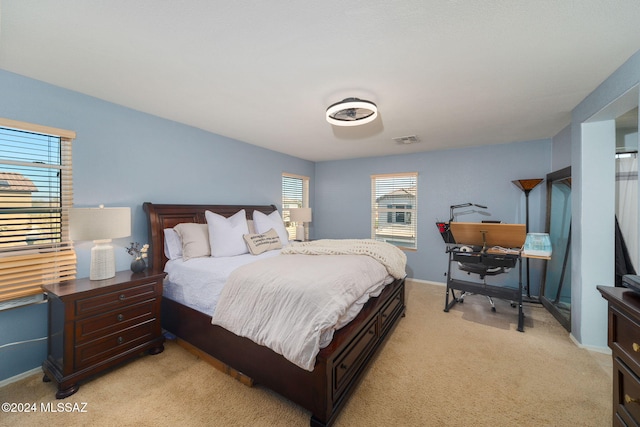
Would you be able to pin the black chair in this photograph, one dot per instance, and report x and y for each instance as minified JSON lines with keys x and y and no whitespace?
{"x":471,"y":260}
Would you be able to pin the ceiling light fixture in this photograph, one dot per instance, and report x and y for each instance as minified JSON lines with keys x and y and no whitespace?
{"x":352,"y":112}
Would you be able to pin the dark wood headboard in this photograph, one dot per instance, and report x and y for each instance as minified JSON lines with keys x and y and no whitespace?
{"x":160,"y":217}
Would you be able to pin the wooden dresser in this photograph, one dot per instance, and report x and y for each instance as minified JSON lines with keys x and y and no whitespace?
{"x":624,"y":339}
{"x":96,"y":324}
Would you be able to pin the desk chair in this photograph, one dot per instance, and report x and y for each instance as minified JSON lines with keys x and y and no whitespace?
{"x":474,"y":265}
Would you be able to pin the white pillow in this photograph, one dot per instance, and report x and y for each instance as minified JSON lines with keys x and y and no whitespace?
{"x":264,"y":223}
{"x":195,"y":240}
{"x":172,"y":244}
{"x":225,"y":234}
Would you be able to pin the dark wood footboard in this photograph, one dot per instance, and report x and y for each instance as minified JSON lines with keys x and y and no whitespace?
{"x":339,"y":367}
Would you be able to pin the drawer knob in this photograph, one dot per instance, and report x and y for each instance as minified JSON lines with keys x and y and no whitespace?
{"x":120,"y":340}
{"x":120,"y":317}
{"x":343,"y":366}
{"x":122,"y":297}
{"x":636,"y":347}
{"x":630,"y":399}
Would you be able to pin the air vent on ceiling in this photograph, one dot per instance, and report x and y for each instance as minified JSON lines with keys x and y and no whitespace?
{"x":410,"y":139}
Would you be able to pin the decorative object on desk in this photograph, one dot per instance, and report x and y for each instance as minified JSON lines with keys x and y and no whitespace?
{"x":139,"y":253}
{"x":443,"y":228}
{"x":100,"y":225}
{"x":463,"y":205}
{"x":537,"y":244}
{"x":527,"y":185}
{"x":352,"y":112}
{"x":300,"y":216}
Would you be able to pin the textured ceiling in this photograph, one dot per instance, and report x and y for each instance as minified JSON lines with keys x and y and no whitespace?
{"x":454,"y":73}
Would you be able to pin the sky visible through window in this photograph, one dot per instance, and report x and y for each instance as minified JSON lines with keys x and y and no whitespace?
{"x":35,"y":157}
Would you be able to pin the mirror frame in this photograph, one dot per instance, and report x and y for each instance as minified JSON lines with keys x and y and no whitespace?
{"x":553,"y":177}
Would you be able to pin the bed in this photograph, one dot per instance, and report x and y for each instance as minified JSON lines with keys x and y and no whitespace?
{"x":338,"y":367}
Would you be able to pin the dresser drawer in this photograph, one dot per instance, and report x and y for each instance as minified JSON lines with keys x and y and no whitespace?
{"x":625,"y":337}
{"x":626,"y":393}
{"x":113,"y":300}
{"x":351,"y":359}
{"x":104,"y":324}
{"x":114,"y":344}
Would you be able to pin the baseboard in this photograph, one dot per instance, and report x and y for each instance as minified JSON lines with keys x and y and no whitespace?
{"x":20,"y":376}
{"x":596,"y":349}
{"x":425,"y":282}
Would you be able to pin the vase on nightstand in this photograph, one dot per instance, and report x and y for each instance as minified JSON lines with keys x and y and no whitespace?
{"x":138,"y":265}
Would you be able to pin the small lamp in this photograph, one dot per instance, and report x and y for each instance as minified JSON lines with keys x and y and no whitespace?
{"x":300,"y":216}
{"x":100,"y":225}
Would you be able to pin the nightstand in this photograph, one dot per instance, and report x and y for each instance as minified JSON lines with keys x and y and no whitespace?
{"x":96,"y":324}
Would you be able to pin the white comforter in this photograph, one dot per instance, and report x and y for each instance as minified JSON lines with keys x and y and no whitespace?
{"x":388,"y":255}
{"x":288,"y":303}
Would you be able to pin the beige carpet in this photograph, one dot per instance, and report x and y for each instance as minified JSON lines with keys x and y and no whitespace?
{"x":468,"y":367}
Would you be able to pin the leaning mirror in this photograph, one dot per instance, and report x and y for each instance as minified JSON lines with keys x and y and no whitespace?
{"x":555,"y":294}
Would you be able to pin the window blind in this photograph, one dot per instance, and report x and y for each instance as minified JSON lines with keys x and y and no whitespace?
{"x":36,"y":193}
{"x":295,"y":194}
{"x":394,"y":209}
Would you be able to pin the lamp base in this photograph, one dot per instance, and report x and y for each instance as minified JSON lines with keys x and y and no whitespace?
{"x":103,"y":264}
{"x":300,"y":233}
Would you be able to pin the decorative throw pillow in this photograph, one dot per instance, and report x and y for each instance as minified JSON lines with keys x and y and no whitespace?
{"x":259,"y":243}
{"x":195,"y":240}
{"x":172,"y":244}
{"x":225,"y":234}
{"x":264,"y":223}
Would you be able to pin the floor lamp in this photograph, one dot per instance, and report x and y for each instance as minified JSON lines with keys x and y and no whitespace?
{"x":527,"y":185}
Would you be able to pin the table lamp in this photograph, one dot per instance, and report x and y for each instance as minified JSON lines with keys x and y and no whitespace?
{"x":100,"y":225}
{"x":300,"y":216}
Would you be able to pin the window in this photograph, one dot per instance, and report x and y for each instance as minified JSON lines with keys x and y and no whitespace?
{"x":394,"y":204}
{"x":295,"y":194}
{"x":35,"y":197}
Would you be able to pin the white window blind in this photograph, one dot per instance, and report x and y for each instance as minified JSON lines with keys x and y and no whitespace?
{"x":35,"y":196}
{"x":295,"y":194}
{"x":394,"y":209}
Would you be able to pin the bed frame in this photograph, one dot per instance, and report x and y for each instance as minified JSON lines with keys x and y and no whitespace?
{"x":339,"y":366}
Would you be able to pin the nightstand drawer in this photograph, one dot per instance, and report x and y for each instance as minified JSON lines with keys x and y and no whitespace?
{"x":626,"y":337}
{"x":113,"y":300}
{"x":114,"y":344}
{"x":113,"y":321}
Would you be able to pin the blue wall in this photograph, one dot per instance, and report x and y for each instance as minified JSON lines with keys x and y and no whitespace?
{"x":124,"y":157}
{"x":593,"y":199}
{"x":480,"y":175}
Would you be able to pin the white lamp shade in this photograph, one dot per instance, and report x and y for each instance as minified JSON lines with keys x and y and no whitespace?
{"x":99,"y":223}
{"x":300,"y":215}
